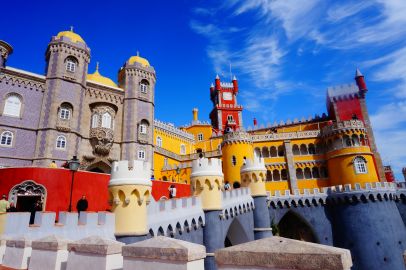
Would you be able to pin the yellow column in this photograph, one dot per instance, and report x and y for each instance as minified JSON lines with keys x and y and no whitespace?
{"x":236,"y":149}
{"x":129,"y":191}
{"x":206,"y":181}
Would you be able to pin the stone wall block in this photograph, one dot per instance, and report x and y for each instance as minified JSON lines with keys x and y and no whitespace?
{"x":282,"y":253}
{"x":49,"y":253}
{"x":18,"y":253}
{"x":164,"y":253}
{"x":95,"y":252}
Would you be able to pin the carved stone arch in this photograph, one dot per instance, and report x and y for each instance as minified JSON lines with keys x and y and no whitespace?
{"x":292,"y":225}
{"x":236,"y":234}
{"x":99,"y":166}
{"x":28,"y":188}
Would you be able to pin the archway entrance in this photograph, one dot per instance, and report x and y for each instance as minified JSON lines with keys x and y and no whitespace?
{"x":294,"y":227}
{"x":235,"y":235}
{"x":99,"y":167}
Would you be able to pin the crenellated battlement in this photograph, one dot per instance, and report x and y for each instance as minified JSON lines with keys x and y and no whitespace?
{"x":236,"y":201}
{"x":237,"y":137}
{"x":335,"y":194}
{"x":343,"y":127}
{"x":207,"y":167}
{"x":69,"y":225}
{"x":135,"y":172}
{"x":255,"y":164}
{"x":169,"y":217}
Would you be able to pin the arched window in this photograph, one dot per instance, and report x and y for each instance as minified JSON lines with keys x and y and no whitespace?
{"x":182,"y":149}
{"x":355,"y":140}
{"x":71,"y":64}
{"x":307,"y":173}
{"x":65,"y":111}
{"x":159,"y":141}
{"x":265,"y":152}
{"x":61,"y":142}
{"x":295,"y":150}
{"x":299,"y":173}
{"x":276,"y":175}
{"x":315,"y":172}
{"x":360,"y":165}
{"x":281,"y":151}
{"x":106,"y":120}
{"x":268,"y":175}
{"x":6,"y":138}
{"x":230,"y":118}
{"x":233,"y":160}
{"x":347,"y":141}
{"x":95,"y":120}
{"x":257,"y":152}
{"x":312,"y":149}
{"x":303,"y":149}
{"x":12,"y":105}
{"x":273,"y":152}
{"x":144,"y":86}
{"x":284,"y":174}
{"x":143,"y":127}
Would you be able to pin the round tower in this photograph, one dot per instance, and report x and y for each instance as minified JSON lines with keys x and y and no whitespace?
{"x":349,"y":157}
{"x":5,"y":51}
{"x":253,"y":175}
{"x":129,"y":192}
{"x":237,"y":149}
{"x":206,"y":181}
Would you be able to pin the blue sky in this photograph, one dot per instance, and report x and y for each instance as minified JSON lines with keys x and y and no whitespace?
{"x":284,"y":53}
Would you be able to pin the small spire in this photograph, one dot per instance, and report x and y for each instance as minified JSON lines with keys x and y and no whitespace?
{"x":71,"y":28}
{"x":97,"y":66}
{"x":138,"y":53}
{"x":212,"y":85}
{"x":234,"y":78}
{"x":217,"y":76}
{"x":358,"y":73}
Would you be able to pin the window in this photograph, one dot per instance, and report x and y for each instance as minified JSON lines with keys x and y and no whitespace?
{"x":141,"y":154}
{"x":143,"y":129}
{"x":106,"y":120}
{"x":144,"y":88}
{"x":95,"y":121}
{"x":182,"y":149}
{"x":159,"y":141}
{"x":200,"y":137}
{"x":71,"y":64}
{"x":64,"y":113}
{"x":230,"y":118}
{"x":6,"y":138}
{"x":360,"y":165}
{"x":234,"y":160}
{"x":12,"y":106}
{"x":61,"y":142}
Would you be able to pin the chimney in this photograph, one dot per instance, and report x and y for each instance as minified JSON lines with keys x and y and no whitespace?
{"x":195,"y":114}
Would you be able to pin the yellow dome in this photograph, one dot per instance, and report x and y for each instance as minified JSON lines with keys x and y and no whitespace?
{"x":138,"y":59}
{"x":96,"y":77}
{"x":71,"y":35}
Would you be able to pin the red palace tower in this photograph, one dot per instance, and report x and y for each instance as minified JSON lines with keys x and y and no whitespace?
{"x":226,"y":115}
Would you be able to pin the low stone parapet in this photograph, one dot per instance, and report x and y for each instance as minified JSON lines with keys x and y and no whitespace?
{"x":275,"y":253}
{"x":18,"y":253}
{"x":164,"y":253}
{"x":49,"y":253}
{"x":95,"y":252}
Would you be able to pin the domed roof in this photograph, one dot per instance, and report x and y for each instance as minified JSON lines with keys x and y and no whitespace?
{"x":71,"y":35}
{"x":98,"y":78}
{"x":138,"y":59}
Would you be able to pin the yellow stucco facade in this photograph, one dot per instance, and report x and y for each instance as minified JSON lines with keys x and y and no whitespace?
{"x":320,"y":154}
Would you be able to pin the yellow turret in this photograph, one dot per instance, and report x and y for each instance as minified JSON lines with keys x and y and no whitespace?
{"x":129,"y":192}
{"x":253,"y":175}
{"x":349,"y":158}
{"x":237,"y":149}
{"x":206,"y":181}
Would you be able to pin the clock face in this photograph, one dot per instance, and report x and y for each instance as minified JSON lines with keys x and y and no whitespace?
{"x":227,"y":96}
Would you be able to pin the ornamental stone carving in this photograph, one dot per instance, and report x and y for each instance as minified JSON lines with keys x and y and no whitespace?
{"x":101,"y":140}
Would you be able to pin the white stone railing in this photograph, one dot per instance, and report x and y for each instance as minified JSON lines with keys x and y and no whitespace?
{"x":286,"y":136}
{"x":172,"y":129}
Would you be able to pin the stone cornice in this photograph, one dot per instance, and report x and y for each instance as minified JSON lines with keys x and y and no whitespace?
{"x":22,"y":79}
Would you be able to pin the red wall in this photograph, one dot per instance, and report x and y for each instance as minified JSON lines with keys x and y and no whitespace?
{"x":346,"y":108}
{"x":58,"y":182}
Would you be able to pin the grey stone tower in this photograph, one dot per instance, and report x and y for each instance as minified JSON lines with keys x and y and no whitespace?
{"x":5,"y":51}
{"x":67,"y":58}
{"x":138,"y":79}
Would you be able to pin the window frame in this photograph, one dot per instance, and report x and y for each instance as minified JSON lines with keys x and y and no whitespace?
{"x":95,"y":121}
{"x":141,"y":155}
{"x":183,"y":149}
{"x":64,"y":113}
{"x":7,"y":139}
{"x":143,"y":129}
{"x":360,"y":165}
{"x":200,"y":137}
{"x":104,"y":121}
{"x":70,"y":64}
{"x":61,"y":144}
{"x":159,"y":141}
{"x":143,"y":88}
{"x":7,"y":104}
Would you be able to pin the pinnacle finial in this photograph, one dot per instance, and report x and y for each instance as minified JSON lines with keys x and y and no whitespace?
{"x":71,"y":28}
{"x":97,"y":66}
{"x":358,"y":73}
{"x":138,"y":53}
{"x":212,"y":85}
{"x":234,"y":78}
{"x":217,"y":76}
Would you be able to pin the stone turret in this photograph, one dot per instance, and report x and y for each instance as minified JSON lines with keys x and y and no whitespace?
{"x":5,"y":51}
{"x":206,"y":181}
{"x":129,"y":192}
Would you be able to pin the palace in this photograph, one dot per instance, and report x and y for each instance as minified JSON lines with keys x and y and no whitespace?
{"x":70,"y":112}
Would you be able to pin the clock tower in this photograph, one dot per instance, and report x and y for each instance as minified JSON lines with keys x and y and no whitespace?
{"x":226,"y":115}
